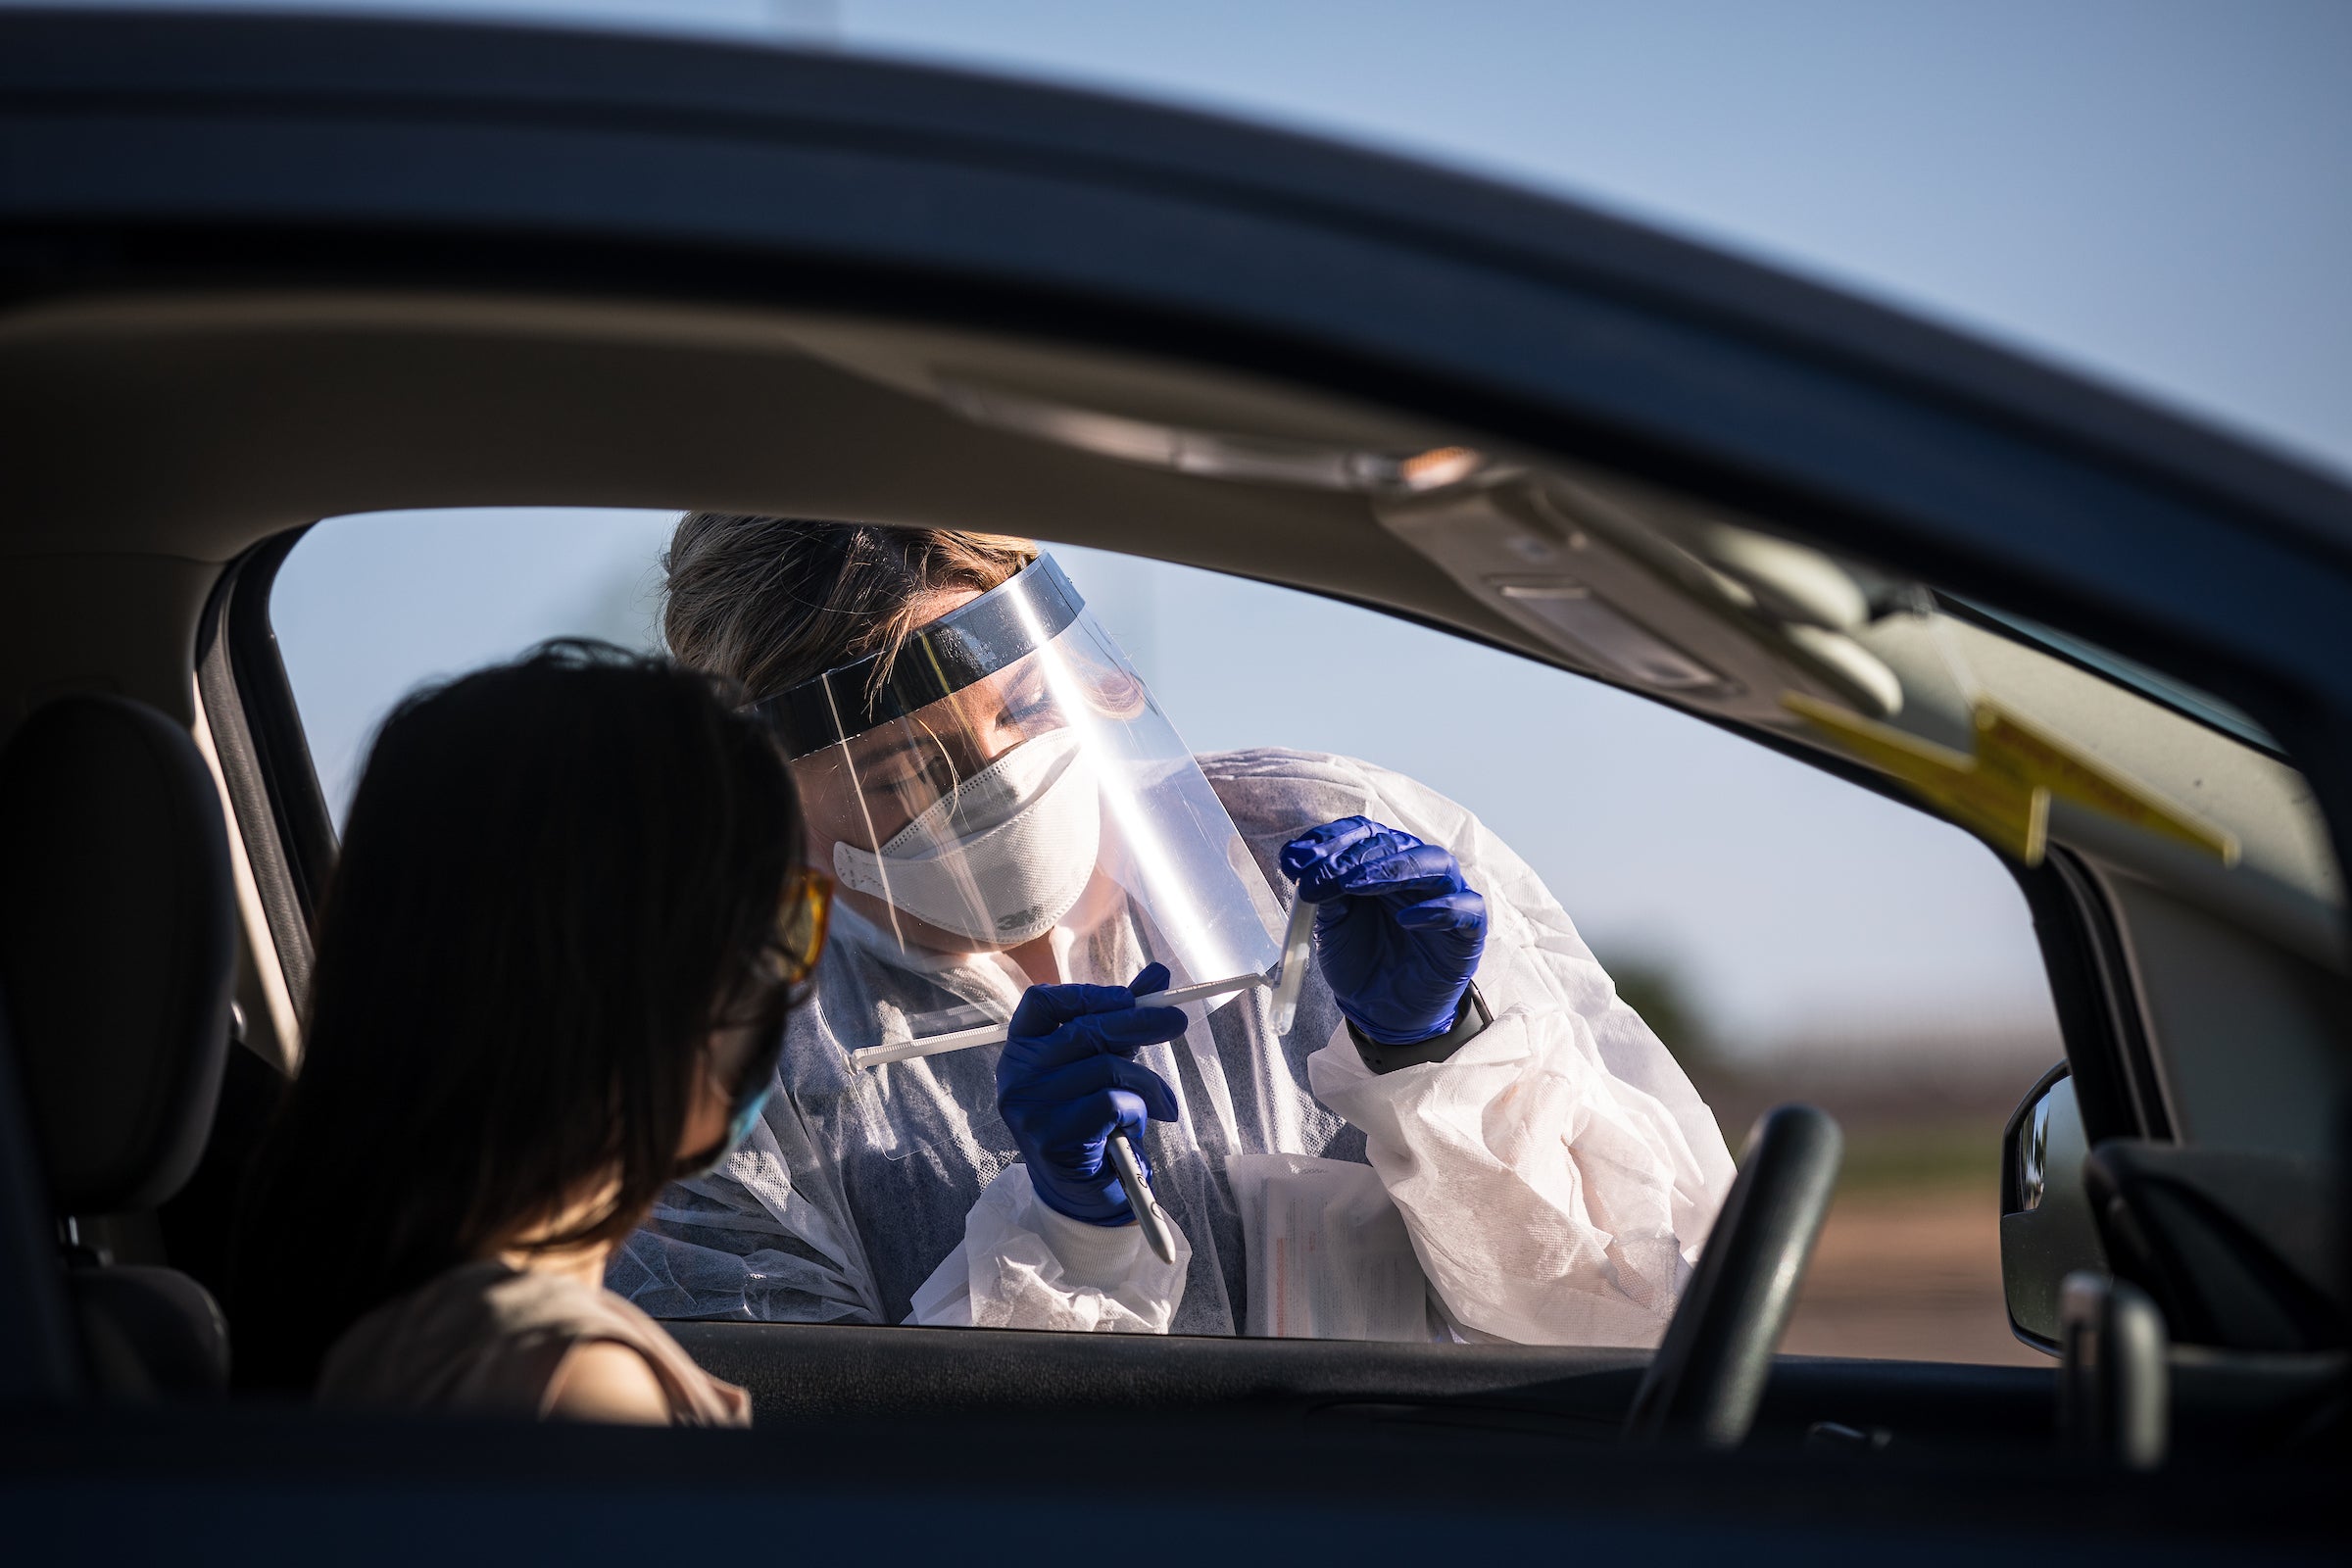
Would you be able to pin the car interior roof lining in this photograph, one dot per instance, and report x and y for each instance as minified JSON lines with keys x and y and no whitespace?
{"x":418,"y":400}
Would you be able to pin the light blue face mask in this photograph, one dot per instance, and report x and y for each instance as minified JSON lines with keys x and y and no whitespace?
{"x":747,"y":1112}
{"x":750,"y":1102}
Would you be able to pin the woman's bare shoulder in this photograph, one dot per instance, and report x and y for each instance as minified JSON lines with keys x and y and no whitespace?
{"x":603,"y":1380}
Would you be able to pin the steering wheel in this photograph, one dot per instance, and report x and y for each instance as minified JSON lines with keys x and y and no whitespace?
{"x":1708,"y":1376}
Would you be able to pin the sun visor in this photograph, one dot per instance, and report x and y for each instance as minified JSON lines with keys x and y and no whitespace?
{"x":1645,"y":592}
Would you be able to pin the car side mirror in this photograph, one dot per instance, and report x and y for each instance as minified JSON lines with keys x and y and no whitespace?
{"x":2047,"y":1228}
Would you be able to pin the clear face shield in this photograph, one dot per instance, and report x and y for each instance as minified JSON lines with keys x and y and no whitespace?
{"x":1010,"y":786}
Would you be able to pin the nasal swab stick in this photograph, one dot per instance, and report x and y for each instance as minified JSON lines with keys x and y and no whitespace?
{"x":1295,"y":941}
{"x":996,"y":1034}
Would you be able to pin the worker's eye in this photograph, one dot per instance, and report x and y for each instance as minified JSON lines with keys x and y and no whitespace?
{"x":1027,"y":706}
{"x":916,"y":773}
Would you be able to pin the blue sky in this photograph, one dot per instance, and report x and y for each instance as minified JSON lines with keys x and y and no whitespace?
{"x":2153,"y":192}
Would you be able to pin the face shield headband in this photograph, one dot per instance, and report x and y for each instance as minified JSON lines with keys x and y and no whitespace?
{"x":966,"y":646}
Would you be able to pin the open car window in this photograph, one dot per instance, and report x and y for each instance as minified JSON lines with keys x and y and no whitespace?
{"x":1779,"y":933}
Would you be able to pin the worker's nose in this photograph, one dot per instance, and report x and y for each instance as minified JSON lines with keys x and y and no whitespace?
{"x":995,"y":740}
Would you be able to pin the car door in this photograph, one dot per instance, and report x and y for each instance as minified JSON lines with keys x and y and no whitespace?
{"x":264,"y":271}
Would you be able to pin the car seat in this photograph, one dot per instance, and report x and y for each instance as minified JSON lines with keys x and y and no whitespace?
{"x":2241,"y":1251}
{"x":117,"y":951}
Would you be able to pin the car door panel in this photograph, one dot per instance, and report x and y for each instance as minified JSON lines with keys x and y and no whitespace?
{"x":817,"y":1373}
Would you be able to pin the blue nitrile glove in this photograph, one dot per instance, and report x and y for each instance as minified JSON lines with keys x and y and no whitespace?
{"x":1398,"y":931}
{"x":1067,"y":1081}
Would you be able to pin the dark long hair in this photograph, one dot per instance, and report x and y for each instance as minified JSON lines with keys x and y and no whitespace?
{"x":558,"y":877}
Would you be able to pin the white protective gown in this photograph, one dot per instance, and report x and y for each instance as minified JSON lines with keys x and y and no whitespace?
{"x":1550,"y":1184}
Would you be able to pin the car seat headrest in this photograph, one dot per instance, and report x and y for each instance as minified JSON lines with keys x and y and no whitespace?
{"x":2241,"y":1249}
{"x":117,"y":946}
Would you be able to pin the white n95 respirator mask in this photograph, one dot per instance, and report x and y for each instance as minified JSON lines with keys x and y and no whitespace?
{"x":1001,"y":857}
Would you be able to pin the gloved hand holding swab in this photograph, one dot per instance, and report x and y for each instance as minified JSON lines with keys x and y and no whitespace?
{"x":1297,"y":949}
{"x":996,"y":1034}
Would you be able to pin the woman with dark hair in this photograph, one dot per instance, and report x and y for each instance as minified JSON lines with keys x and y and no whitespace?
{"x":1459,"y":1132}
{"x":553,"y":968}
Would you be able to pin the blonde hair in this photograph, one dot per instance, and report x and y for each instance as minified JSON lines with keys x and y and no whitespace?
{"x":770,"y":601}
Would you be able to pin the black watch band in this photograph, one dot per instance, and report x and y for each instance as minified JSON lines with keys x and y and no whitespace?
{"x":1469,"y":1019}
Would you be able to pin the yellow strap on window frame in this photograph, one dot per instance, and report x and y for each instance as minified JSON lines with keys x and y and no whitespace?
{"x":2001,"y":790}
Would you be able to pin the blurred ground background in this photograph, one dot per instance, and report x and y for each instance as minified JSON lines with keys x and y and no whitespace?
{"x":1909,"y":1265}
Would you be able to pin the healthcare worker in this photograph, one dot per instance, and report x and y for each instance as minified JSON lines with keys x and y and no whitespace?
{"x":1464,"y":1134}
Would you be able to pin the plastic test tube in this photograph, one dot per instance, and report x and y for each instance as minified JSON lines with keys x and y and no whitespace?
{"x":1159,"y":1234}
{"x":995,"y":1034}
{"x":1295,"y":940}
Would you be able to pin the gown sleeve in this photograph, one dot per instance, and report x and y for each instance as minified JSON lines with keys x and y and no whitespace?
{"x":767,"y":1237}
{"x":1548,"y":1202}
{"x":1558,"y":1174}
{"x":1022,"y":1265}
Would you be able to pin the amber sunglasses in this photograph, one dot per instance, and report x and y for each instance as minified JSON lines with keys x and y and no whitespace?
{"x":801,"y":917}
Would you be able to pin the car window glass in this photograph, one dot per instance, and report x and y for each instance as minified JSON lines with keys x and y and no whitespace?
{"x":2178,"y":695}
{"x":1784,"y":934}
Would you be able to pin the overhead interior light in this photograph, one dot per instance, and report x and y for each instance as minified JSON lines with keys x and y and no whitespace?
{"x":1626,"y":648}
{"x":1212,"y":454}
{"x":1439,"y":466}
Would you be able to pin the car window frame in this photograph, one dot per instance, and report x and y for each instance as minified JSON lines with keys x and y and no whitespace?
{"x":271,"y":784}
